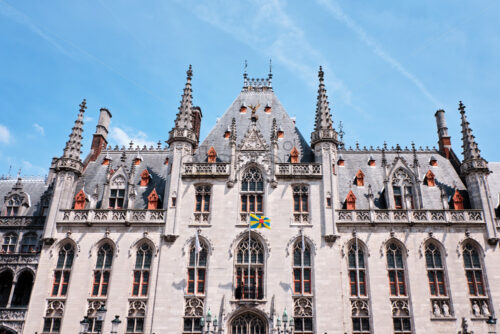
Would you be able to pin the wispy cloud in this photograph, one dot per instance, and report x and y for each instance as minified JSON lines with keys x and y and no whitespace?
{"x":121,"y":138}
{"x":39,"y":129}
{"x":337,"y":12}
{"x":30,"y":169}
{"x":5,"y":136}
{"x":268,"y":29}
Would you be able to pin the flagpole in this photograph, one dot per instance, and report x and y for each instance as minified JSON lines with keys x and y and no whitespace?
{"x":249,"y":255}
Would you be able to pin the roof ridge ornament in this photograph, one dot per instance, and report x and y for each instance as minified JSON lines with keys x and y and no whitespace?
{"x":323,"y":125}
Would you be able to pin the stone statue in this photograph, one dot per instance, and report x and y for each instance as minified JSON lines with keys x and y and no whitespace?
{"x":476,"y":310}
{"x":446,"y":310}
{"x":437,"y":310}
{"x":485,"y":310}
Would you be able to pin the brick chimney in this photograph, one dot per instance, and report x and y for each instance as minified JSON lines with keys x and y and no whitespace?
{"x":444,"y":139}
{"x":100,"y":135}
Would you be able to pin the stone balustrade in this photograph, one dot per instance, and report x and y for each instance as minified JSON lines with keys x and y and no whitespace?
{"x":307,"y":170}
{"x":205,"y":169}
{"x":22,"y":221}
{"x":18,"y":258}
{"x":411,"y":216}
{"x":99,"y":216}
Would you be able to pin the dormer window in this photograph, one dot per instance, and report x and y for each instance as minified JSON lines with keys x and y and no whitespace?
{"x":433,"y":162}
{"x":340,"y":162}
{"x":116,"y":198}
{"x":13,"y":204}
{"x":371,"y":162}
{"x":227,"y":134}
{"x":145,"y":177}
{"x":281,"y":133}
{"x":360,"y":178}
{"x":243,"y":109}
{"x":430,"y":179}
{"x":166,"y":162}
{"x":267,"y":109}
{"x":402,"y":189}
{"x":80,"y":200}
{"x":458,"y":201}
{"x":153,"y":200}
{"x":105,"y":162}
{"x":350,"y":201}
{"x":212,"y":155}
{"x":294,"y":155}
{"x":137,"y":161}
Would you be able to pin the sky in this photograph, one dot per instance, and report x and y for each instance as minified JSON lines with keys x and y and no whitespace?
{"x":389,"y":65}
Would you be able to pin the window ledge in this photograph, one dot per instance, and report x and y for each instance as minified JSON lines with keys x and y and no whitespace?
{"x":473,"y":318}
{"x":301,"y":225}
{"x":451,"y":318}
{"x":199,"y":225}
{"x":248,"y":301}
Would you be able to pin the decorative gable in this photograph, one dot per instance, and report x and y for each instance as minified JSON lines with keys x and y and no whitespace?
{"x":145,"y":177}
{"x":253,"y":140}
{"x":80,"y":200}
{"x":430,"y":179}
{"x":350,"y":201}
{"x":153,"y":199}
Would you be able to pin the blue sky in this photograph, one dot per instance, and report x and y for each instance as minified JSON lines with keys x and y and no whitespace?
{"x":388,"y":68}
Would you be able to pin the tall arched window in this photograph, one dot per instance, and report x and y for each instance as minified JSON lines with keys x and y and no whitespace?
{"x":249,"y":255}
{"x":397,"y":285}
{"x":102,"y":271}
{"x":22,"y":292}
{"x":63,"y":270}
{"x":6,"y":278}
{"x":475,"y":280}
{"x":360,"y":311}
{"x":142,"y":270}
{"x":29,"y":243}
{"x":302,"y":287}
{"x":9,"y":242}
{"x":436,"y":274}
{"x":402,"y":188}
{"x":252,"y":192}
{"x":13,"y":204}
{"x":117,"y":193}
{"x":197,"y":268}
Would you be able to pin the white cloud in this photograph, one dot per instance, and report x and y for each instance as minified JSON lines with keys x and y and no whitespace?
{"x":5,"y":136}
{"x":30,"y":169}
{"x":341,"y":16}
{"x":39,"y":128}
{"x":121,"y":138}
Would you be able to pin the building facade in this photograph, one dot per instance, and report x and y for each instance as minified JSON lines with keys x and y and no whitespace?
{"x":365,"y":240}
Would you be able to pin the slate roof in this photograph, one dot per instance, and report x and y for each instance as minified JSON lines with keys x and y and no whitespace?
{"x":445,"y":175}
{"x":292,"y":136}
{"x":153,"y":160}
{"x":494,"y":182}
{"x":33,"y":188}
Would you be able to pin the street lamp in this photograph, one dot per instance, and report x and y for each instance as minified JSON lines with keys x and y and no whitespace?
{"x":114,"y":324}
{"x":207,"y":322}
{"x":492,"y":325}
{"x":287,"y":327}
{"x":84,"y":325}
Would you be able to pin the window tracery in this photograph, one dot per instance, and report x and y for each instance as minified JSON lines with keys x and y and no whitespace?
{"x":252,"y":191}
{"x":102,"y":271}
{"x":476,"y":283}
{"x":249,"y":255}
{"x":248,"y":323}
{"x":193,"y":311}
{"x":402,"y":187}
{"x":302,"y":269}
{"x":63,"y":270}
{"x":9,"y":242}
{"x":142,"y":270}
{"x":303,"y":315}
{"x":136,"y":315}
{"x":29,"y":243}
{"x":53,"y":316}
{"x":436,"y":275}
{"x":13,"y":204}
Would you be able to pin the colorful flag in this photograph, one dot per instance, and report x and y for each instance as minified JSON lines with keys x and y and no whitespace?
{"x":197,"y":246}
{"x":259,"y":221}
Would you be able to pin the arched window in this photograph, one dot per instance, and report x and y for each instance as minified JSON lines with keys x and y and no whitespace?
{"x":136,"y":315}
{"x":402,"y":187}
{"x":197,"y":268}
{"x":476,"y":283}
{"x":29,"y":243}
{"x":102,"y":271}
{"x":117,"y":193}
{"x":142,"y":270}
{"x":436,"y":274}
{"x":248,"y":323}
{"x":9,"y":242}
{"x":302,"y":287}
{"x":397,"y":285}
{"x":249,"y":255}
{"x":22,"y":292}
{"x":13,"y":204}
{"x":358,"y":289}
{"x":53,"y":316}
{"x":252,"y":192}
{"x":6,"y":278}
{"x":63,"y":270}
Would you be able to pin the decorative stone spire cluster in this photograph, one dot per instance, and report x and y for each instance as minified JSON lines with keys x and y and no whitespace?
{"x":184,"y":127}
{"x":472,"y":155}
{"x":70,"y":159}
{"x":323,"y":125}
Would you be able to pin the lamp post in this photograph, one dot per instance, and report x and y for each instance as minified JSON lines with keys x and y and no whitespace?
{"x":208,"y":321}
{"x":285,"y":327}
{"x":84,"y":325}
{"x":114,"y":324}
{"x":100,"y":314}
{"x":492,"y":325}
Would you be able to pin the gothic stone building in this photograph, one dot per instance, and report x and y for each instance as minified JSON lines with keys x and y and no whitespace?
{"x":372,"y":240}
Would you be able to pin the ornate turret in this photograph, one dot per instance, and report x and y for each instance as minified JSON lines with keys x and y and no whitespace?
{"x":184,"y":129}
{"x":323,"y":125}
{"x":70,"y":159}
{"x":473,"y":162}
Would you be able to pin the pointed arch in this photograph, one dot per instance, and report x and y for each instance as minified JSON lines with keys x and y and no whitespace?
{"x":403,"y":187}
{"x":6,"y":279}
{"x":249,"y":268}
{"x":24,"y":285}
{"x":302,"y":267}
{"x":248,"y":320}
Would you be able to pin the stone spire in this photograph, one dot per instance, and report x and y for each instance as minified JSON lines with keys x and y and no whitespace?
{"x":472,"y":156}
{"x":184,"y":129}
{"x":70,"y":160}
{"x":74,"y":144}
{"x":323,"y":125}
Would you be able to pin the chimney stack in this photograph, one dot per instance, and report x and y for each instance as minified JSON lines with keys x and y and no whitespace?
{"x":101,"y":134}
{"x":444,"y":139}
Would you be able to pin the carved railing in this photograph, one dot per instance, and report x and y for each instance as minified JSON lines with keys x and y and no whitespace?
{"x":410,"y":216}
{"x":298,"y":170}
{"x":13,"y":317}
{"x":22,"y":221}
{"x":98,"y":216}
{"x":18,"y":258}
{"x":217,"y":169}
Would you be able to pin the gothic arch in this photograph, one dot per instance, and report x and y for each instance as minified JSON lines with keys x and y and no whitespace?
{"x":106,"y":240}
{"x":249,"y":313}
{"x":139,"y":242}
{"x":435,"y":241}
{"x":476,"y":244}
{"x":57,"y":246}
{"x":203,"y":240}
{"x":263,"y":240}
{"x":383,"y":247}
{"x":291,"y":242}
{"x":6,"y":330}
{"x":244,"y":168}
{"x":361,"y":243}
{"x":23,"y":270}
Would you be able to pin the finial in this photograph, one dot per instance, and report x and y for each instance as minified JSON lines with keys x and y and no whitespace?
{"x":19,"y":173}
{"x":245,"y":69}
{"x":83,"y":105}
{"x":321,"y":74}
{"x":189,"y":72}
{"x":461,"y":107}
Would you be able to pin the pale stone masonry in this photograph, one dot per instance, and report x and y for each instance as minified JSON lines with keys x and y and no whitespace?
{"x":364,"y":240}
